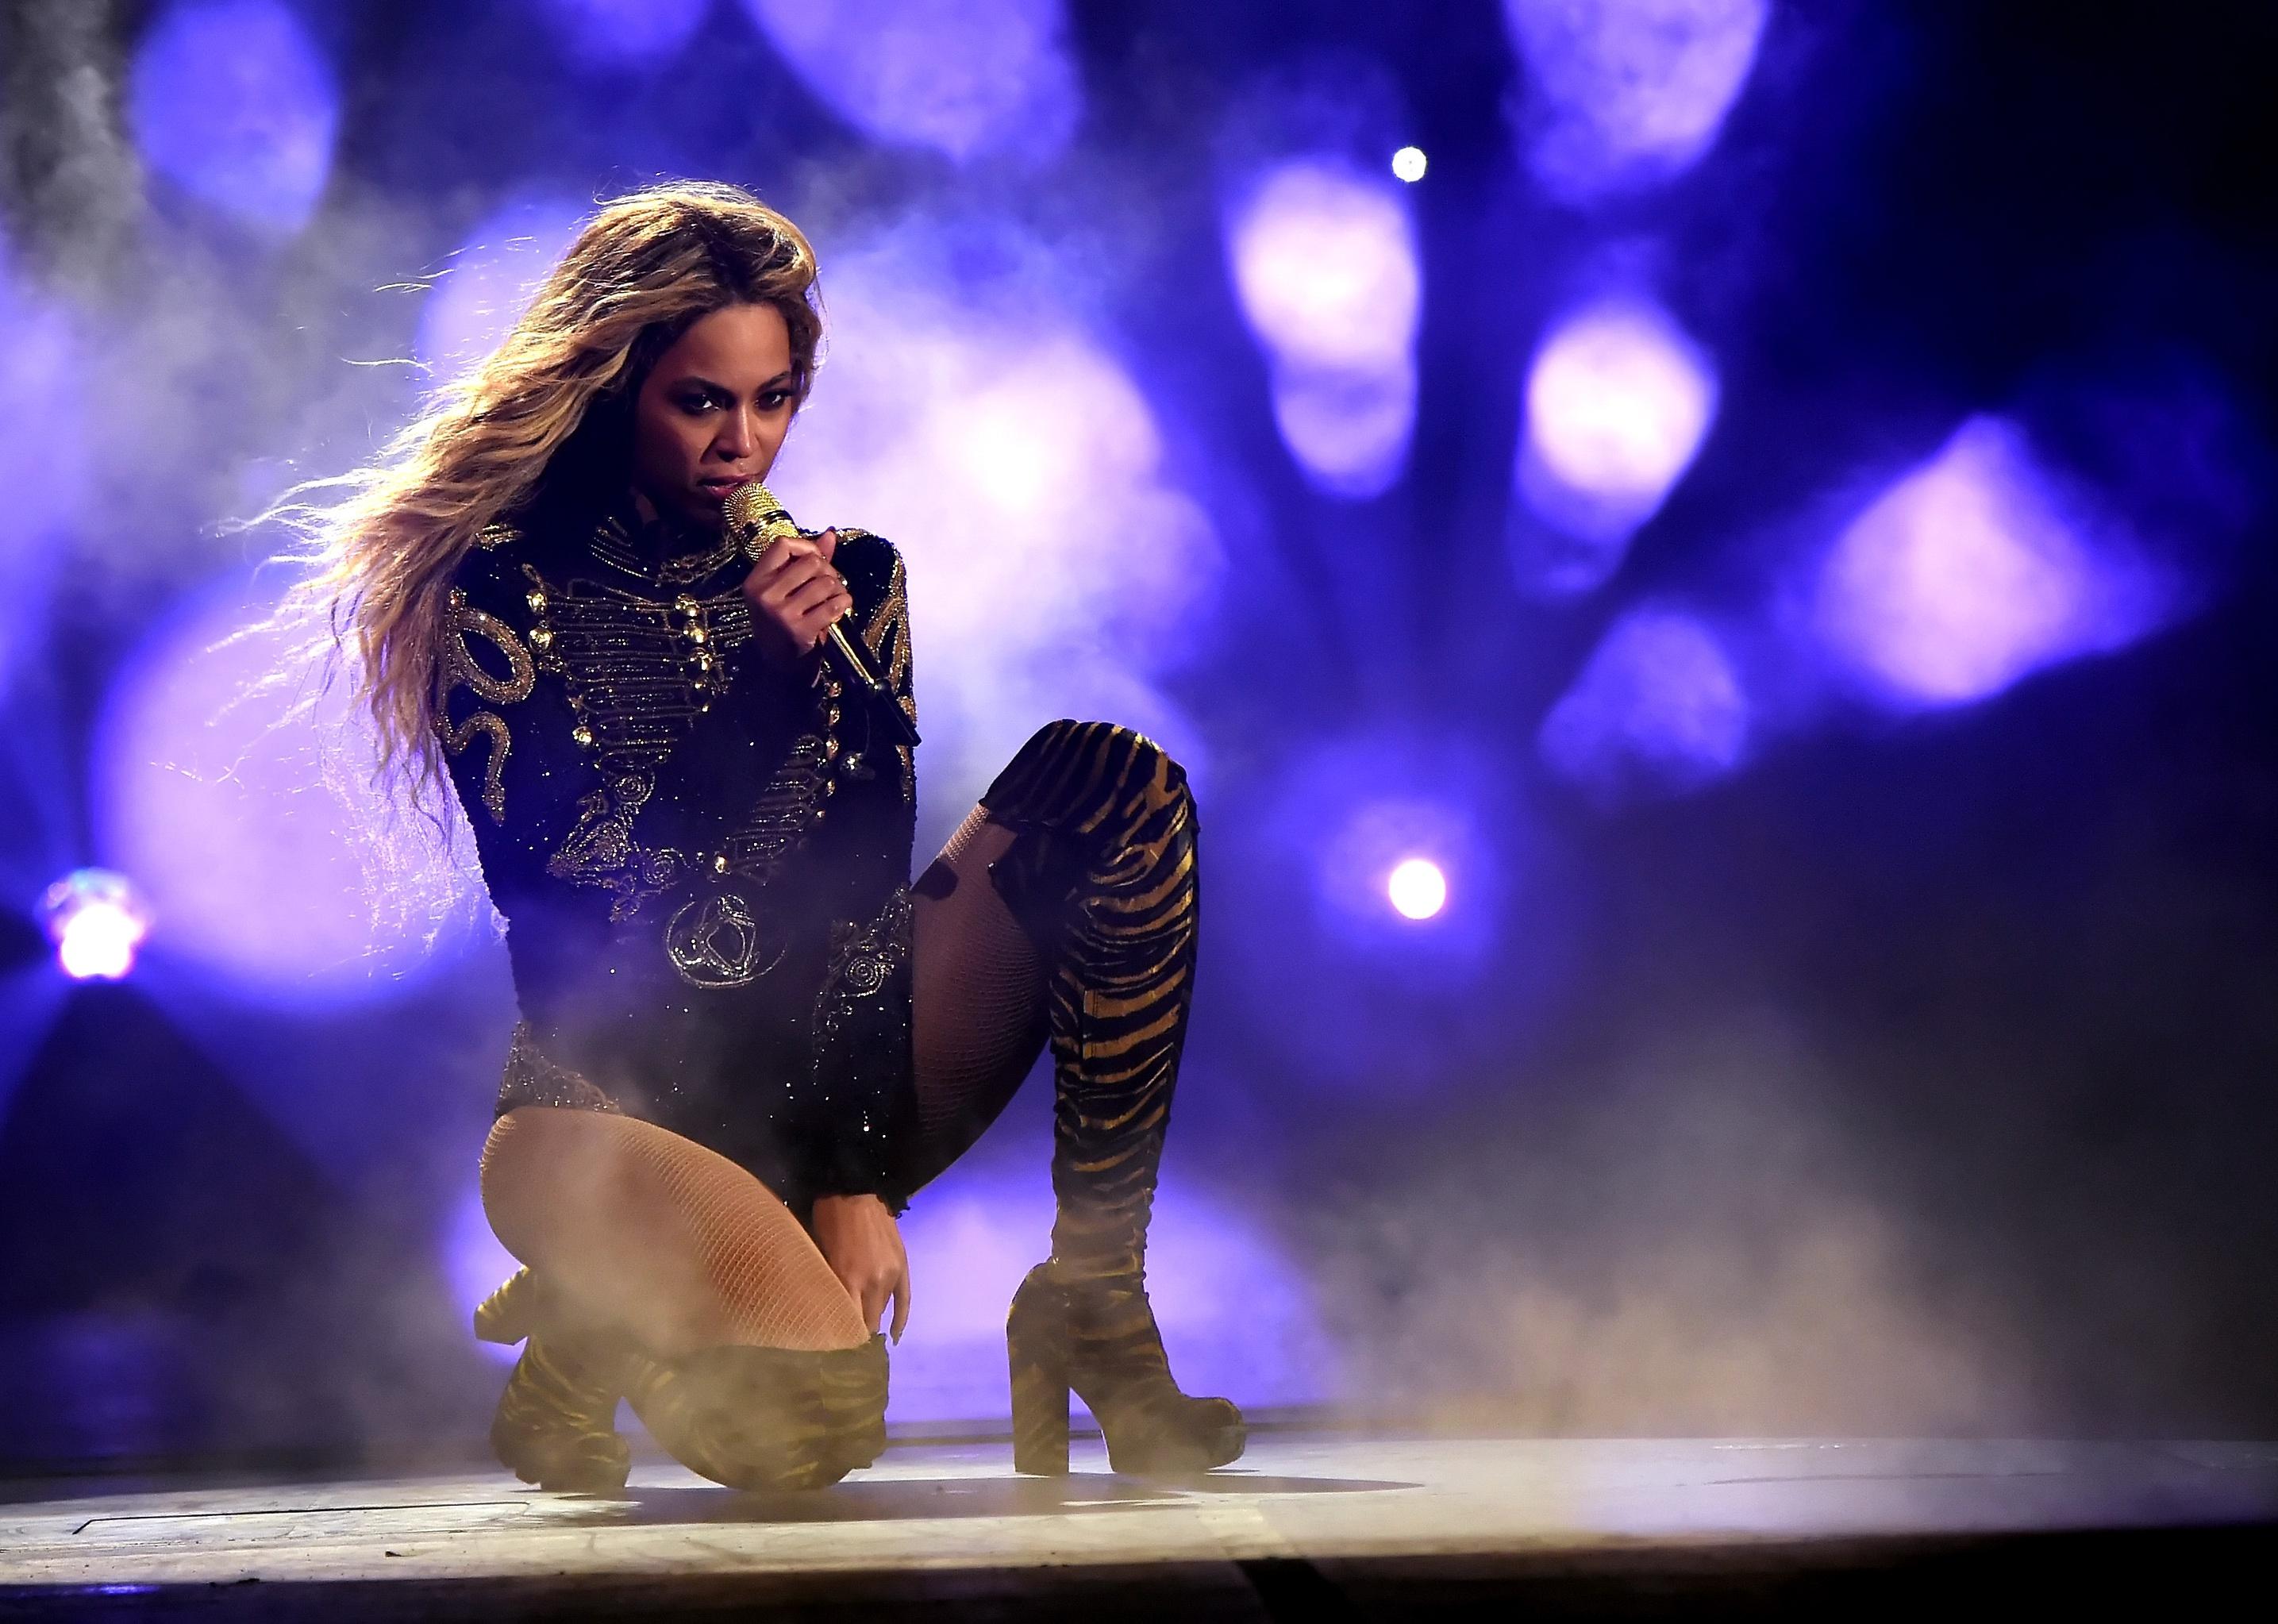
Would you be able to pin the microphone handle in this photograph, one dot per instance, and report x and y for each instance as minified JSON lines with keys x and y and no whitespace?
{"x":856,"y":670}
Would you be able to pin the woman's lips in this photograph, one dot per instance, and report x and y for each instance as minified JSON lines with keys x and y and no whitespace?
{"x":720,"y":487}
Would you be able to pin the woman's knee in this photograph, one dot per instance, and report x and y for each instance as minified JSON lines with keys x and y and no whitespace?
{"x":1082,"y":775}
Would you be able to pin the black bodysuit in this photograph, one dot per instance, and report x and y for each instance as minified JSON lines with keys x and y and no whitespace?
{"x":703,"y":862}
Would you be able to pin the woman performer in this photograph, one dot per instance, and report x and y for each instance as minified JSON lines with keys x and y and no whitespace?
{"x":745,"y":1039}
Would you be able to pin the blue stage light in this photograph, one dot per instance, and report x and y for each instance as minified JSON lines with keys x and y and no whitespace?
{"x":966,"y":78}
{"x":1409,"y":164}
{"x":490,"y":280}
{"x":633,"y":33}
{"x":235,"y":103}
{"x":1618,"y":400}
{"x":1323,"y":260}
{"x":1975,"y":569}
{"x":1629,"y":92}
{"x":96,"y":922}
{"x":1659,"y":709}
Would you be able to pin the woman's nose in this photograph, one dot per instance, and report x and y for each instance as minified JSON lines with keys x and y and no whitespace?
{"x":735,"y":440}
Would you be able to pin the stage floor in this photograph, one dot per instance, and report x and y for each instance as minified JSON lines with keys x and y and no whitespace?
{"x":1308,"y":1525}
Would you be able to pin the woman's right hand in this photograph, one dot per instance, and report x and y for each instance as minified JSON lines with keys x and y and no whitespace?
{"x":796,"y":595}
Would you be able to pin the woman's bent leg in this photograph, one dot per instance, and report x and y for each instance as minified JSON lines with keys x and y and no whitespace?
{"x":672,"y":1276}
{"x":639,"y":1227}
{"x":1101,"y":872}
{"x":978,"y":1011}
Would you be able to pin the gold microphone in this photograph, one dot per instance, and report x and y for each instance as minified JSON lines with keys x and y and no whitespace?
{"x":756,"y":522}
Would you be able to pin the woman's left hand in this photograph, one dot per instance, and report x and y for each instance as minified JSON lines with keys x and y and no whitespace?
{"x":863,"y":1245}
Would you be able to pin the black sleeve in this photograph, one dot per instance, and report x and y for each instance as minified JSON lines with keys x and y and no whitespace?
{"x":864,"y":1085}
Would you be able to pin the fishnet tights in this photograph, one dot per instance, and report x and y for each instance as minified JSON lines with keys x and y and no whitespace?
{"x":638,"y":1227}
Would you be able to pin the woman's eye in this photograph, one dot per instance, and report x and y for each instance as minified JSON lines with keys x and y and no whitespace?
{"x":775,"y":400}
{"x":695,"y":403}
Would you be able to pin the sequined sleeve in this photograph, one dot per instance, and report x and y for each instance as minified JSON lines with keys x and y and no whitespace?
{"x":863,"y":1089}
{"x":506,"y":731}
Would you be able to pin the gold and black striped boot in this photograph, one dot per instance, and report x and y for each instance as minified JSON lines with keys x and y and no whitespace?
{"x":765,"y":1418}
{"x":556,"y":1421}
{"x":1101,"y":874}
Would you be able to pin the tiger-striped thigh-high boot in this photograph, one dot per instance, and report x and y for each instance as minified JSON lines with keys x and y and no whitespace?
{"x":556,"y":1421}
{"x":1101,"y":874}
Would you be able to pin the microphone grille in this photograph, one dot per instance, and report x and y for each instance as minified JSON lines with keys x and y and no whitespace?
{"x":756,"y":520}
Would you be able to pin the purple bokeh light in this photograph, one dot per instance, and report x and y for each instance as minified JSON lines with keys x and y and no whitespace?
{"x":1324,"y":264}
{"x":1659,"y":709}
{"x":1629,"y":93}
{"x":966,"y":78}
{"x":235,"y":103}
{"x":211,"y":788}
{"x":631,"y":32}
{"x":490,"y":281}
{"x":1974,"y":569}
{"x":1618,"y":400}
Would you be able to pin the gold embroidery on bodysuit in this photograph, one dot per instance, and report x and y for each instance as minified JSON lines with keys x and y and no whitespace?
{"x":862,"y":959}
{"x":887,"y":636}
{"x":457,"y":668}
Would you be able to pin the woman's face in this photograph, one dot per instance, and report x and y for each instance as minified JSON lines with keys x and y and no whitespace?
{"x":713,"y":412}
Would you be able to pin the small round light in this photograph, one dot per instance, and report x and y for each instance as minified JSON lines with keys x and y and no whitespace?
{"x":1416,"y":888}
{"x":1408,"y":163}
{"x":96,"y":924}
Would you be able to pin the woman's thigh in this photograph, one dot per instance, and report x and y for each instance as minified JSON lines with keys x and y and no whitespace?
{"x":977,"y":996}
{"x":642,"y":1228}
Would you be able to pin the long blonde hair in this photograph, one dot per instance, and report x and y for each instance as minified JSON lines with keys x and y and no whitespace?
{"x":642,"y":269}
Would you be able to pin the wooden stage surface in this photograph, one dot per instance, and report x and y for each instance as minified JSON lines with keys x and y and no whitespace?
{"x":1308,"y":1525}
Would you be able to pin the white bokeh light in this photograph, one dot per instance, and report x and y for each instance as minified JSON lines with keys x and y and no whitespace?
{"x":1975,"y":568}
{"x":96,"y":921}
{"x":1410,"y":163}
{"x":1324,"y":264}
{"x":1416,"y":888}
{"x":1618,"y":400}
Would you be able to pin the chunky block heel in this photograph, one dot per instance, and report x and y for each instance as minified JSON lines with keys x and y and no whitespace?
{"x":1097,"y":1340}
{"x":1037,"y":1344}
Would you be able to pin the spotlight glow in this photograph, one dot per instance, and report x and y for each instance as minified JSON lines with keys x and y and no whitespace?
{"x":233,"y":103}
{"x":1974,"y":569}
{"x":1630,"y":92}
{"x":969,"y":78}
{"x":1409,"y":164}
{"x":1324,"y":264}
{"x":211,"y":788}
{"x":95,"y":922}
{"x":1416,"y":888}
{"x":1618,"y":400}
